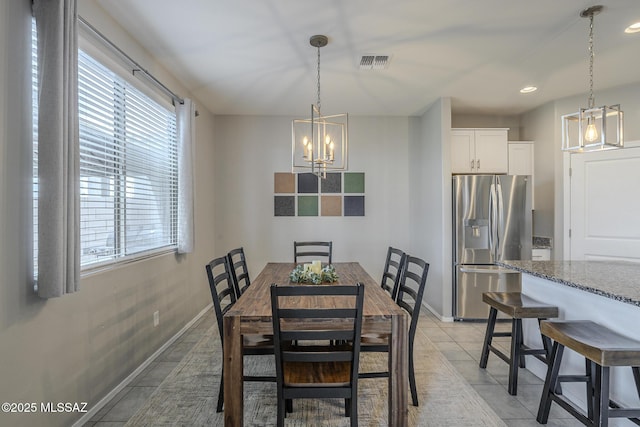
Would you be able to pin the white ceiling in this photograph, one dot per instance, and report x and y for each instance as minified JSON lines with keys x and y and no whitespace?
{"x":254,"y":56}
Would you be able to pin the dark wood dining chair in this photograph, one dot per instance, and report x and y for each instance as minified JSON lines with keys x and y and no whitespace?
{"x":309,"y":251}
{"x":392,"y":271}
{"x":413,"y":278}
{"x":224,"y":297}
{"x":239,"y":270}
{"x":312,"y":368}
{"x":409,"y":297}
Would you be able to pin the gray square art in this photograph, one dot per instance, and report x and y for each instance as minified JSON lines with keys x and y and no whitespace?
{"x":332,"y":183}
{"x":284,"y":206}
{"x":353,"y":205}
{"x":307,"y":183}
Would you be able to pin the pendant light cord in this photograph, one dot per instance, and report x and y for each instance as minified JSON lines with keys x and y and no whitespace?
{"x":318,"y":103}
{"x":591,"y":98}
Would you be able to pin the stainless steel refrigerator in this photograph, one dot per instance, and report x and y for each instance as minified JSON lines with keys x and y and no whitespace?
{"x":491,"y":222}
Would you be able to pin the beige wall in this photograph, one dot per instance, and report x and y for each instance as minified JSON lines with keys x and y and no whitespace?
{"x":77,"y":348}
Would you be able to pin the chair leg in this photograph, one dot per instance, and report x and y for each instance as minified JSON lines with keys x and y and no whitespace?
{"x":491,"y":324}
{"x":289,"y":406}
{"x":220,"y":395}
{"x":412,"y":376}
{"x":281,"y":412}
{"x":353,"y":408}
{"x":550,"y":383}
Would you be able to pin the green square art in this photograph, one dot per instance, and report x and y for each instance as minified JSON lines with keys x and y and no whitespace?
{"x":307,"y":205}
{"x":354,"y":182}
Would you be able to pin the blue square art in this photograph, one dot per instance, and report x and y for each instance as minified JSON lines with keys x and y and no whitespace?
{"x":353,"y":205}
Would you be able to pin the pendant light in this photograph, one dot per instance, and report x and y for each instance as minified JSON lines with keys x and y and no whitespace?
{"x":592,"y":128}
{"x":320,"y":143}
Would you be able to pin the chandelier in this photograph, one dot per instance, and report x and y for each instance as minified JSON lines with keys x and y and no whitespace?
{"x":592,"y":128}
{"x":320,"y":143}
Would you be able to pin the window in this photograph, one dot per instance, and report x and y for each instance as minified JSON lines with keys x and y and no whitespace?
{"x":128,"y":167}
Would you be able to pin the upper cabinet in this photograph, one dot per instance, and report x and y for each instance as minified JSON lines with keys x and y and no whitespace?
{"x":479,"y":151}
{"x":521,"y":158}
{"x":521,"y":162}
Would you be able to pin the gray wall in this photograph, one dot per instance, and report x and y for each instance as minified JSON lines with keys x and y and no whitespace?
{"x":250,"y":149}
{"x":430,"y":202}
{"x":77,"y":348}
{"x":543,"y":125}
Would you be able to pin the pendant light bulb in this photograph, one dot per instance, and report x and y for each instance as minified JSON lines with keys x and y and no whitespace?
{"x":591,"y":134}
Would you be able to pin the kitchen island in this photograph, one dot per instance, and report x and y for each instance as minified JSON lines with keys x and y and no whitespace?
{"x":606,"y":292}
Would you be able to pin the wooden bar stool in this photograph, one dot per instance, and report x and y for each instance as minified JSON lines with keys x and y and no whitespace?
{"x":601,"y":348}
{"x":518,"y":306}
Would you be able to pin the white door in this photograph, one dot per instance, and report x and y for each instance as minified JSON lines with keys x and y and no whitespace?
{"x":605,"y":205}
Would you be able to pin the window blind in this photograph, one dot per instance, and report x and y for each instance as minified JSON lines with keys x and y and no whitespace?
{"x":128,"y":168}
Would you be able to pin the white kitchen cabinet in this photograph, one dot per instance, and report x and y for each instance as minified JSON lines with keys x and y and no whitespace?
{"x":521,"y":162}
{"x":541,"y":254}
{"x":479,"y":151}
{"x":520,"y":158}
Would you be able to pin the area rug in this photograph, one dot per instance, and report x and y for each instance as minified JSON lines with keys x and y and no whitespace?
{"x":188,"y":396}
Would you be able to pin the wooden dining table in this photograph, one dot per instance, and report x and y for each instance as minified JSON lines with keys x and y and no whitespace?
{"x":251,"y":314}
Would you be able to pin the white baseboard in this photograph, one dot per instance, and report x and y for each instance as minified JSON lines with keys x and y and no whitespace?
{"x":435,"y":313}
{"x":94,"y":410}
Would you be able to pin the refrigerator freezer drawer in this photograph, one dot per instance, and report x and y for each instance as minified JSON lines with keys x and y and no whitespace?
{"x":473,"y":280}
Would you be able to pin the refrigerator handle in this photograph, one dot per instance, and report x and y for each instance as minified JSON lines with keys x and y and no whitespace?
{"x":492,"y":219}
{"x":499,"y":219}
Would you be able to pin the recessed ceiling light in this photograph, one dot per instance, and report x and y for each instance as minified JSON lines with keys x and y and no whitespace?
{"x":633,"y":28}
{"x":528,"y":89}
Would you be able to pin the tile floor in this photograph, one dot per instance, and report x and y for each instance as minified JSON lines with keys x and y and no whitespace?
{"x":460,"y":342}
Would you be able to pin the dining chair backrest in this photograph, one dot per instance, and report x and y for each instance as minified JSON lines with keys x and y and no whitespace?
{"x":307,"y":366}
{"x":221,"y":286}
{"x":239,"y":270}
{"x":392,"y":271}
{"x":308,"y":251}
{"x":411,"y":289}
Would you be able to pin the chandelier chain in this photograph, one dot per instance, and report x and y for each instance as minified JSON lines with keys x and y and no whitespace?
{"x":591,"y":98}
{"x":318,"y":103}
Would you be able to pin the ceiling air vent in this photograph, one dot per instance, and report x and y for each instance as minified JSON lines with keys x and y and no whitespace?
{"x":374,"y":62}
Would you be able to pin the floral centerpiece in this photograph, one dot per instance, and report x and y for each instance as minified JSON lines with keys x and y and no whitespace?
{"x":314,"y":273}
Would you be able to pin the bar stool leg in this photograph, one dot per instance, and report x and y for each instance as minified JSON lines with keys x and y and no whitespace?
{"x":520,"y":345}
{"x":636,"y":377}
{"x":516,"y":344}
{"x":491,"y":324}
{"x":601,"y":396}
{"x":550,"y":382}
{"x":590,"y":369}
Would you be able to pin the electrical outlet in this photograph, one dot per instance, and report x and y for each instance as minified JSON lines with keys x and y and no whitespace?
{"x":156,"y":318}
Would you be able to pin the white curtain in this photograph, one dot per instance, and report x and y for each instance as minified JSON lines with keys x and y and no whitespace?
{"x":58,"y":148}
{"x":185,"y":116}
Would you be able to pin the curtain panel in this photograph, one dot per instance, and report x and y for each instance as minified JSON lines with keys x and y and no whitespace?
{"x":58,"y":148}
{"x":185,"y":118}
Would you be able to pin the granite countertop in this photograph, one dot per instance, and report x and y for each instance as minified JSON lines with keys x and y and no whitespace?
{"x":619,"y":280}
